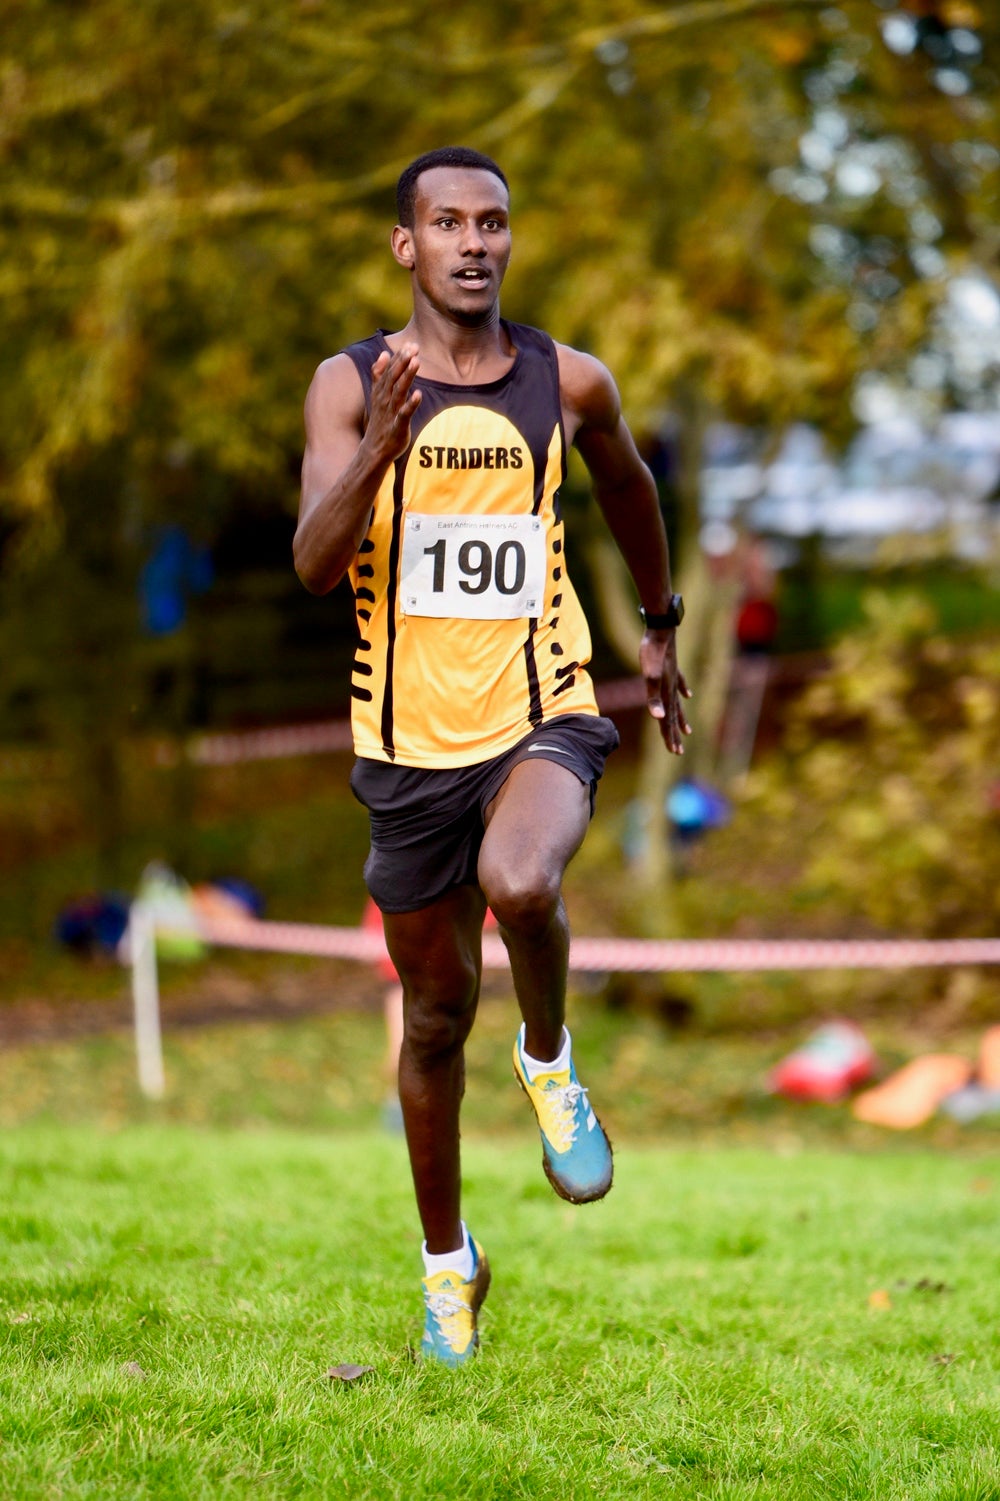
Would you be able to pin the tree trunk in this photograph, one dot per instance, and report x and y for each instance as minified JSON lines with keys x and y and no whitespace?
{"x":705,"y":649}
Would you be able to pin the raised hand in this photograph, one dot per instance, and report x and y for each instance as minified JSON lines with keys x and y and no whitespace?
{"x":393,"y":401}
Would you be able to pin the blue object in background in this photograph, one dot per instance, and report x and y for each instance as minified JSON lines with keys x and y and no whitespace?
{"x":243,"y":892}
{"x":176,"y":569}
{"x":693,"y":807}
{"x":93,"y":924}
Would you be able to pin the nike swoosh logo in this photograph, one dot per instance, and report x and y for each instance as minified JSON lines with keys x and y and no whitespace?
{"x":538,"y":745}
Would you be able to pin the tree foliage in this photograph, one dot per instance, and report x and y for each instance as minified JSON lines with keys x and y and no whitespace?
{"x":194,"y":208}
{"x":889,"y":784}
{"x":196,"y":202}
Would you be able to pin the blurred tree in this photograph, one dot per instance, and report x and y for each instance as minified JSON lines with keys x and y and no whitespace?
{"x":195,"y":206}
{"x":889,"y":781}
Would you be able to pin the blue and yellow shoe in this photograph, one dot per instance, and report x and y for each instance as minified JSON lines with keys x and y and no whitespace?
{"x":452,"y":1306}
{"x":576,"y":1154}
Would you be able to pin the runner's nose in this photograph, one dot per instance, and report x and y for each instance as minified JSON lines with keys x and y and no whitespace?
{"x":472,"y":241}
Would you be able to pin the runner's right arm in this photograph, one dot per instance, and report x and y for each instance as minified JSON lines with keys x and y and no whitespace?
{"x":346,"y":459}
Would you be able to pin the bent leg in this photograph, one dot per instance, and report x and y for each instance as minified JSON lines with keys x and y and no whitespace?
{"x":537,"y":823}
{"x":534,"y":826}
{"x":437,"y":952}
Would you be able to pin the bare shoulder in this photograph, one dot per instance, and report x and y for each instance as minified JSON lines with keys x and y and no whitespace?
{"x":587,"y":390}
{"x":336,"y":398}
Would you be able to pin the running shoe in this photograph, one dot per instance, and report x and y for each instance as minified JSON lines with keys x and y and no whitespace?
{"x":452,"y":1307}
{"x":576,"y":1154}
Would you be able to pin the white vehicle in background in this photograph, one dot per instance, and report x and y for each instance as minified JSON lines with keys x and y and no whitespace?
{"x":896,"y":479}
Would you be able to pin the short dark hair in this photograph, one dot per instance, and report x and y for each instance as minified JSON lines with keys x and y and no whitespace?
{"x":443,"y":156}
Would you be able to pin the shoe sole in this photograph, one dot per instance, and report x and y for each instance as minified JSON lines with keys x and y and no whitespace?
{"x":480,"y":1288}
{"x":564,"y":1193}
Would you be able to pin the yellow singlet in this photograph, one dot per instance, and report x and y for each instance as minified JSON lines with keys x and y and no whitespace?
{"x":471,"y":633}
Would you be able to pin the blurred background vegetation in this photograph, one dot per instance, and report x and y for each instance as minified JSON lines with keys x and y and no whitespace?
{"x":766,"y":218}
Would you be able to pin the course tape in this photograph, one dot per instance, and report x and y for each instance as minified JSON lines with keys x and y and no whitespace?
{"x":631,"y":955}
{"x":229,"y":748}
{"x":271,"y":745}
{"x":335,"y":734}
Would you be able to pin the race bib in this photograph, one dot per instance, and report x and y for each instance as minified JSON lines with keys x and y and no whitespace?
{"x":473,"y":567}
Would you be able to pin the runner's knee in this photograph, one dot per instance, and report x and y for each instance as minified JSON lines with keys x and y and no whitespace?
{"x":438,"y":1017}
{"x":524,"y":899}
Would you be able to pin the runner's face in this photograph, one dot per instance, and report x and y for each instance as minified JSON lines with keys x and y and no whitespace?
{"x":459,"y":245}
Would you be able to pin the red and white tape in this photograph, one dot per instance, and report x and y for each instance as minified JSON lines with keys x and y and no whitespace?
{"x":272,"y":745}
{"x":632,"y":955}
{"x":335,"y":734}
{"x":598,"y":955}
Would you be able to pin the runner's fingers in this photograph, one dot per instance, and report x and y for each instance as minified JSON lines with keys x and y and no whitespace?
{"x":403,"y":364}
{"x":654,"y":701}
{"x":401,"y":390}
{"x":393,"y":373}
{"x":678,"y":707}
{"x":673,"y":721}
{"x":672,"y":737}
{"x":393,"y":405}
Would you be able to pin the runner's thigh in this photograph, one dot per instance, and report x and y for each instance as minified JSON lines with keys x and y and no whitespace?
{"x":437,"y":949}
{"x":535,"y":824}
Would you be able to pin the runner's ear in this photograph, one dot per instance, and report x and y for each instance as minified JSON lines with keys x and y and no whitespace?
{"x":402,"y":246}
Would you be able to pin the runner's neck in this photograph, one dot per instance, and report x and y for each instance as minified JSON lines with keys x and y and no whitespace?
{"x":455,"y":355}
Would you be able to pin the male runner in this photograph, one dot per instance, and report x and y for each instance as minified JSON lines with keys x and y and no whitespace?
{"x":433,"y":462}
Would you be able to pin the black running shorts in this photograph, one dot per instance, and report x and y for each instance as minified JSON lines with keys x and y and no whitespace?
{"x":427,"y":826}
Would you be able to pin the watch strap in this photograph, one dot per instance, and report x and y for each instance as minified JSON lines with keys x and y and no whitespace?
{"x":669,"y":620}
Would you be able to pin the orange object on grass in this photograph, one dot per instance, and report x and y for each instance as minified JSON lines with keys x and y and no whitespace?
{"x":911,"y":1096}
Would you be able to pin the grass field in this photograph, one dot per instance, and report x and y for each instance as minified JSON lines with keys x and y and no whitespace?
{"x":729,"y":1324}
{"x":808,"y":1314}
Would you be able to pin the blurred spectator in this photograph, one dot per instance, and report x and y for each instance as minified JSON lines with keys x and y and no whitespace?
{"x":742,"y":561}
{"x":176,"y":569}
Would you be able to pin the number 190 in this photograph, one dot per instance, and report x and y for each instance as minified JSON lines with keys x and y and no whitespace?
{"x":480,"y":567}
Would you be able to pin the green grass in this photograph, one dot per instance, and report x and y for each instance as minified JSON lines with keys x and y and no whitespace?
{"x":171,"y":1300}
{"x":326,"y":1073}
{"x":177,"y":1278}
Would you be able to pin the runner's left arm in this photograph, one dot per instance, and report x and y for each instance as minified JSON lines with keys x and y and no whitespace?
{"x":626,"y":493}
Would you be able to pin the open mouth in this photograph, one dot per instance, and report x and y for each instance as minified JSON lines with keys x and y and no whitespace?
{"x":472,"y":276}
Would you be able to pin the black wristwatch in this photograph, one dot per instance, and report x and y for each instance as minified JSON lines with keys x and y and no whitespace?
{"x":667,"y":622}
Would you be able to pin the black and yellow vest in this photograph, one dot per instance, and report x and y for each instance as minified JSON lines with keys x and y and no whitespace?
{"x":466,"y":527}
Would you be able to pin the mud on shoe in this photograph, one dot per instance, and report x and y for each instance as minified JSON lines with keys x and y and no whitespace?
{"x":576,"y":1153}
{"x":452,"y":1304}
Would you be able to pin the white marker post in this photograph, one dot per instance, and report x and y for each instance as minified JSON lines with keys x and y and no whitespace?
{"x":146,"y":1002}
